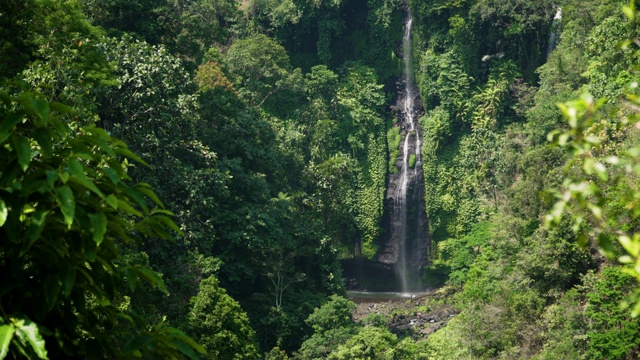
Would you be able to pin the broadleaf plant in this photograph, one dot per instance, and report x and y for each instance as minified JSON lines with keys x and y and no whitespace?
{"x":62,"y":189}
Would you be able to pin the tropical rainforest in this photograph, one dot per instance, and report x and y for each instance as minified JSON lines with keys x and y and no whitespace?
{"x":183,"y":178}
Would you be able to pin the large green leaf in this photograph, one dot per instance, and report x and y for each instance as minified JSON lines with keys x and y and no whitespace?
{"x":44,"y":138}
{"x":137,"y":343}
{"x":89,"y":248}
{"x":111,"y":174}
{"x":61,"y":108}
{"x":112,"y":201}
{"x":38,"y":106}
{"x":69,"y":278}
{"x":166,"y":221}
{"x":77,"y":171}
{"x":185,"y":349}
{"x":64,"y":196}
{"x":99,"y":227}
{"x":131,"y":277}
{"x":99,"y":136}
{"x":7,"y":124}
{"x":150,"y":227}
{"x":23,"y":150}
{"x":136,"y":196}
{"x":127,"y":153}
{"x":38,"y":221}
{"x":4,"y":212}
{"x":75,"y":168}
{"x":28,"y":333}
{"x":6,"y":334}
{"x":51,"y":290}
{"x":151,"y":277}
{"x":146,"y":189}
{"x":124,"y":205}
{"x":118,"y":228}
{"x":181,"y":336}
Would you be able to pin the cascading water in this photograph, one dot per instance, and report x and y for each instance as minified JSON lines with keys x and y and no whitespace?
{"x":554,"y":34}
{"x":407,"y":235}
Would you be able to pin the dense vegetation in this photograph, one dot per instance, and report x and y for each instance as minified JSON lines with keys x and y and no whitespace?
{"x":181,"y":178}
{"x":528,"y":289}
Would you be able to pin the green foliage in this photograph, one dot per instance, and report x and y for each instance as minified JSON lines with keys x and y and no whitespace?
{"x":154,"y":109}
{"x":222,"y":327}
{"x":39,"y":29}
{"x":336,"y":313}
{"x":566,"y":328}
{"x":66,"y":207}
{"x":273,"y":174}
{"x":412,"y":161}
{"x":393,"y":142}
{"x":187,"y":28}
{"x":153,"y":97}
{"x":447,"y":343}
{"x":210,"y":76}
{"x":276,"y":354}
{"x":337,"y":336}
{"x":497,"y":21}
{"x":307,"y":156}
{"x":613,"y":333}
{"x":443,"y":82}
{"x":555,"y":261}
{"x":320,"y":345}
{"x":458,"y":255}
{"x":601,"y":329}
{"x":332,"y":324}
{"x":375,"y":320}
{"x":28,"y":342}
{"x":520,"y":272}
{"x":260,"y":67}
{"x":384,"y":29}
{"x":437,"y":127}
{"x":608,"y":71}
{"x":370,"y":343}
{"x":584,"y":194}
{"x":360,"y":99}
{"x":333,"y":32}
{"x":488,"y":103}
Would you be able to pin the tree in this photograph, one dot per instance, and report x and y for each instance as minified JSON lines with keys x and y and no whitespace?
{"x":153,"y":99}
{"x":260,"y":67}
{"x":332,"y":324}
{"x":155,"y":107}
{"x":137,"y":16}
{"x":613,"y":333}
{"x":36,"y":29}
{"x":220,"y":324}
{"x":65,"y":210}
{"x":516,"y":22}
{"x":600,"y":188}
{"x":333,"y":314}
{"x":186,"y":28}
{"x":370,"y":343}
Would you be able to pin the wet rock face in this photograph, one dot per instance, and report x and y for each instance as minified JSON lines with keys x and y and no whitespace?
{"x":406,"y":240}
{"x":406,"y":232}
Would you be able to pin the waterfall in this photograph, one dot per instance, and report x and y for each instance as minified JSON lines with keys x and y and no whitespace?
{"x":409,"y":119}
{"x":554,"y":34}
{"x":407,"y":235}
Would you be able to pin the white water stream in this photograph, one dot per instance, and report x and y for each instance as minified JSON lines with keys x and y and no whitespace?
{"x":410,"y":146}
{"x":554,"y":34}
